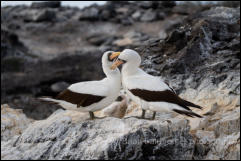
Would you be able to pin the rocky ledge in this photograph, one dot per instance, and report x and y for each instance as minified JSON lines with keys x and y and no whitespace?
{"x":67,"y":135}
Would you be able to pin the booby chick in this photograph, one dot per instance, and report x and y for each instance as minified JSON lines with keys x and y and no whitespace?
{"x":92,"y":96}
{"x":118,"y":108}
{"x":150,"y":92}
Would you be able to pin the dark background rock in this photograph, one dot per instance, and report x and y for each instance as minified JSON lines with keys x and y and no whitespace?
{"x":40,"y":16}
{"x":47,"y":4}
{"x":192,"y":46}
{"x":149,"y":16}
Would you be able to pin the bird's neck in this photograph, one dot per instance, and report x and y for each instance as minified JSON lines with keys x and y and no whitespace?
{"x":129,"y":69}
{"x":113,"y":78}
{"x":111,"y":74}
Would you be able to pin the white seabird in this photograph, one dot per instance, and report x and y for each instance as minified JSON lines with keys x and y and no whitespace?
{"x":150,"y":92}
{"x":92,"y":96}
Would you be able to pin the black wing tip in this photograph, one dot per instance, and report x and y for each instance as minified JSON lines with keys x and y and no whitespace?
{"x":199,"y":116}
{"x":187,"y":103}
{"x":199,"y":107}
{"x":188,"y":113}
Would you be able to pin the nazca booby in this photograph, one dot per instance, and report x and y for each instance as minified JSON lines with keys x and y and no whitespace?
{"x":150,"y":92}
{"x":92,"y":96}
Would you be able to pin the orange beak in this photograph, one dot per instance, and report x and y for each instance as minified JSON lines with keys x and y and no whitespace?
{"x":114,"y":55}
{"x":116,"y":64}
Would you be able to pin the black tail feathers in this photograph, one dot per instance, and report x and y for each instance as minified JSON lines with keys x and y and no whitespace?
{"x":187,"y":113}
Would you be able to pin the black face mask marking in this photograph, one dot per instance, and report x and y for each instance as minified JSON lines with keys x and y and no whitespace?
{"x":109,"y":54}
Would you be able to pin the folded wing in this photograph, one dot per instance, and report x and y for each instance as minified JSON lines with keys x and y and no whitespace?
{"x":85,"y":93}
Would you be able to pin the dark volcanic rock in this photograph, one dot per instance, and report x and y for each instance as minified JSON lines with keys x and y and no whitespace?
{"x":68,"y":68}
{"x":14,"y":54}
{"x":206,"y":40}
{"x":10,"y":44}
{"x":168,"y":4}
{"x":91,"y":13}
{"x":149,"y":16}
{"x":185,"y":9}
{"x":50,"y":4}
{"x":99,"y":39}
{"x":40,"y":16}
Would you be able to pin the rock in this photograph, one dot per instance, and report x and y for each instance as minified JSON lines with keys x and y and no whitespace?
{"x":64,"y":136}
{"x":231,"y":4}
{"x":226,"y":14}
{"x":205,"y":140}
{"x":96,"y":40}
{"x":148,"y":16}
{"x":13,"y":122}
{"x":91,"y":13}
{"x":150,"y":4}
{"x":127,"y":21}
{"x":161,"y":15}
{"x":40,"y":16}
{"x":220,"y":124}
{"x":122,"y":10}
{"x":228,"y":124}
{"x":205,"y":137}
{"x":31,"y":106}
{"x":59,"y":86}
{"x":168,"y":4}
{"x":172,"y":58}
{"x":186,"y":9}
{"x":162,"y":35}
{"x":106,"y":15}
{"x":225,"y":148}
{"x":213,"y":109}
{"x":146,"y":4}
{"x":131,"y":38}
{"x":99,"y":39}
{"x":11,"y":47}
{"x":117,"y":4}
{"x":123,"y":42}
{"x":136,"y":15}
{"x":50,"y":4}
